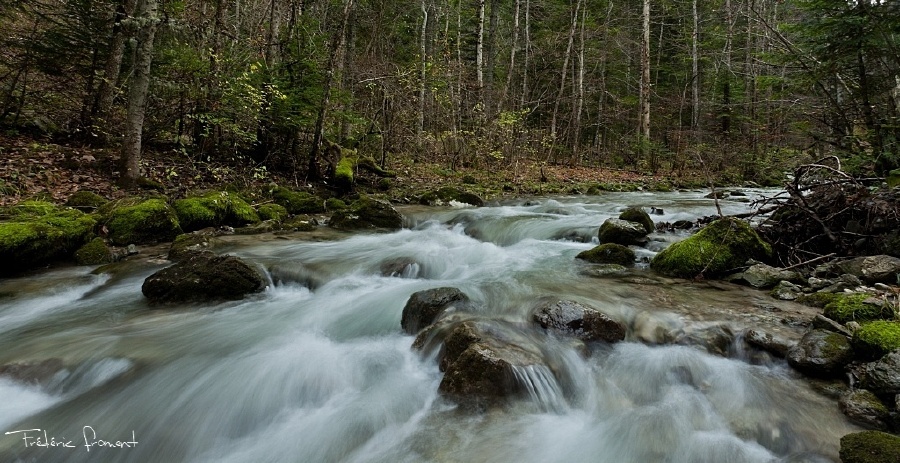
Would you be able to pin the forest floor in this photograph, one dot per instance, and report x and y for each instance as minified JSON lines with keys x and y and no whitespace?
{"x":31,"y":168}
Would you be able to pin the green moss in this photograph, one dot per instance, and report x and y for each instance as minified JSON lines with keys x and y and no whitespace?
{"x":718,"y":248}
{"x":85,"y":200}
{"x":870,"y":447}
{"x":272,"y":211}
{"x":608,"y":253}
{"x":385,"y":184}
{"x":636,"y":214}
{"x":214,"y":209}
{"x":96,"y":252}
{"x":817,"y":299}
{"x":39,"y":233}
{"x":836,"y":345}
{"x":301,"y":223}
{"x":874,"y":339}
{"x":335,"y":204}
{"x":147,"y":222}
{"x":851,"y":307}
{"x":343,"y":173}
{"x":297,"y":202}
{"x":187,"y":244}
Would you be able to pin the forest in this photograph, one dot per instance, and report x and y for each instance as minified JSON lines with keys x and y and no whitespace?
{"x":741,"y":89}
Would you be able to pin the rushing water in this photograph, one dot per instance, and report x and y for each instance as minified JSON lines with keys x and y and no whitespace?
{"x":316,"y":368}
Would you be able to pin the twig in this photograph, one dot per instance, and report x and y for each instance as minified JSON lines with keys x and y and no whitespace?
{"x":817,"y":259}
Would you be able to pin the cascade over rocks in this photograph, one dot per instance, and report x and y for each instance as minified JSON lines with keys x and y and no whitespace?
{"x":203,"y":276}
{"x":574,"y":319}
{"x":424,"y":307}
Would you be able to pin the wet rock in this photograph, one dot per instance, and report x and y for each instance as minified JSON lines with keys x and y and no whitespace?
{"x":721,"y":246}
{"x":424,"y":307}
{"x":622,"y":232}
{"x":883,"y":375}
{"x":188,"y":244}
{"x":873,"y":269}
{"x":604,"y":270}
{"x":845,"y":281}
{"x":820,"y":353}
{"x":656,"y":328}
{"x":764,"y":276}
{"x":716,"y":339}
{"x":448,"y":194}
{"x":682,"y":225}
{"x":766,"y":342}
{"x":786,"y":291}
{"x":608,"y":253}
{"x":818,"y":283}
{"x":365,"y":213}
{"x":636,"y":214}
{"x":203,"y":276}
{"x":32,"y":372}
{"x":870,"y":447}
{"x":573,"y":319}
{"x":822,"y":322}
{"x":865,"y":409}
{"x":404,"y":267}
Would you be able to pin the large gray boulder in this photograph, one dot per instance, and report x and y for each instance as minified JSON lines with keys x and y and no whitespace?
{"x":636,"y":214}
{"x":423,"y":307}
{"x":873,"y":269}
{"x":883,"y":376}
{"x":203,"y":276}
{"x":574,"y":319}
{"x":865,"y":409}
{"x":622,"y":232}
{"x":766,"y":342}
{"x":366,"y":213}
{"x":821,"y":353}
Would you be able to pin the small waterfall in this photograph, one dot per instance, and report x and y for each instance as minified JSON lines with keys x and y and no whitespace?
{"x":541,"y":386}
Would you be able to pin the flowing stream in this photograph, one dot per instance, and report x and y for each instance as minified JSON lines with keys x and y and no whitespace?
{"x":317,"y":369}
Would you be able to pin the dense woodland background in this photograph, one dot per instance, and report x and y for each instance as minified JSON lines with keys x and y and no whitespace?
{"x":738,"y":88}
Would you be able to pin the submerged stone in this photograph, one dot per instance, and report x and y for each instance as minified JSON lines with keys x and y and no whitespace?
{"x":821,"y":353}
{"x":574,"y":319}
{"x":424,"y":307}
{"x":622,"y":232}
{"x":203,"y":276}
{"x":608,"y":253}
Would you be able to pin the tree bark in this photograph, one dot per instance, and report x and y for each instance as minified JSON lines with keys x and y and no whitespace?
{"x":512,"y":57}
{"x":564,"y":72}
{"x":420,"y":122}
{"x":479,"y":53}
{"x":644,"y":119}
{"x":106,"y":94}
{"x":137,"y":95}
{"x":695,"y":69}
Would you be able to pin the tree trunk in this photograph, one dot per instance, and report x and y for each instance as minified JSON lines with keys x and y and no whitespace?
{"x":579,"y":96}
{"x":726,"y":86}
{"x":420,"y":122}
{"x":644,"y":118}
{"x":312,"y":171}
{"x":479,"y":53}
{"x":137,"y":95}
{"x":527,"y":53}
{"x":491,"y":56}
{"x":563,"y":73}
{"x":695,"y":70}
{"x":106,"y":94}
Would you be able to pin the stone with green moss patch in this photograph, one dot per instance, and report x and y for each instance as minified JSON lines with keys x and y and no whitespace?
{"x":718,"y":248}
{"x":875,"y":339}
{"x":214,"y":209}
{"x":870,"y":447}
{"x":447,"y":194}
{"x":335,"y":204}
{"x":38,"y":233}
{"x":298,"y":202}
{"x":608,"y":253}
{"x":817,"y":299}
{"x":85,"y":200}
{"x":96,"y":252}
{"x":854,"y":307}
{"x":367,"y":212}
{"x":272,"y":211}
{"x":636,"y":214}
{"x":142,"y":222}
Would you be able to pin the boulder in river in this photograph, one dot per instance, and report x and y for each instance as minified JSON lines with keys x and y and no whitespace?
{"x":865,"y":409}
{"x":608,"y":253}
{"x":622,"y":232}
{"x":883,"y":375}
{"x":721,"y":246}
{"x":203,"y":276}
{"x":873,"y":269}
{"x":870,"y":447}
{"x":636,"y":214}
{"x":766,"y":342}
{"x":765,"y":276}
{"x":448,"y":194}
{"x":424,"y":307}
{"x":367,"y":212}
{"x":574,"y":319}
{"x":821,"y":353}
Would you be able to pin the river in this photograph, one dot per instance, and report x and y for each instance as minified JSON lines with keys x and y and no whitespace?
{"x":317,"y":369}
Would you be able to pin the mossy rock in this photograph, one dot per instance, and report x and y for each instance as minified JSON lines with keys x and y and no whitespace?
{"x":875,"y":339}
{"x":718,"y":248}
{"x":300,"y":223}
{"x":187,"y":244}
{"x":366,"y":212}
{"x":214,"y":209}
{"x":335,"y":204}
{"x":817,"y":299}
{"x":38,"y":233}
{"x":624,"y":232}
{"x":853,"y":307}
{"x":146,"y":222}
{"x":95,"y":252}
{"x":636,"y":214}
{"x":608,"y":253}
{"x":85,"y":200}
{"x":385,"y":184}
{"x":343,"y":173}
{"x":448,"y":193}
{"x":870,"y":447}
{"x":298,"y":202}
{"x":272,"y":211}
